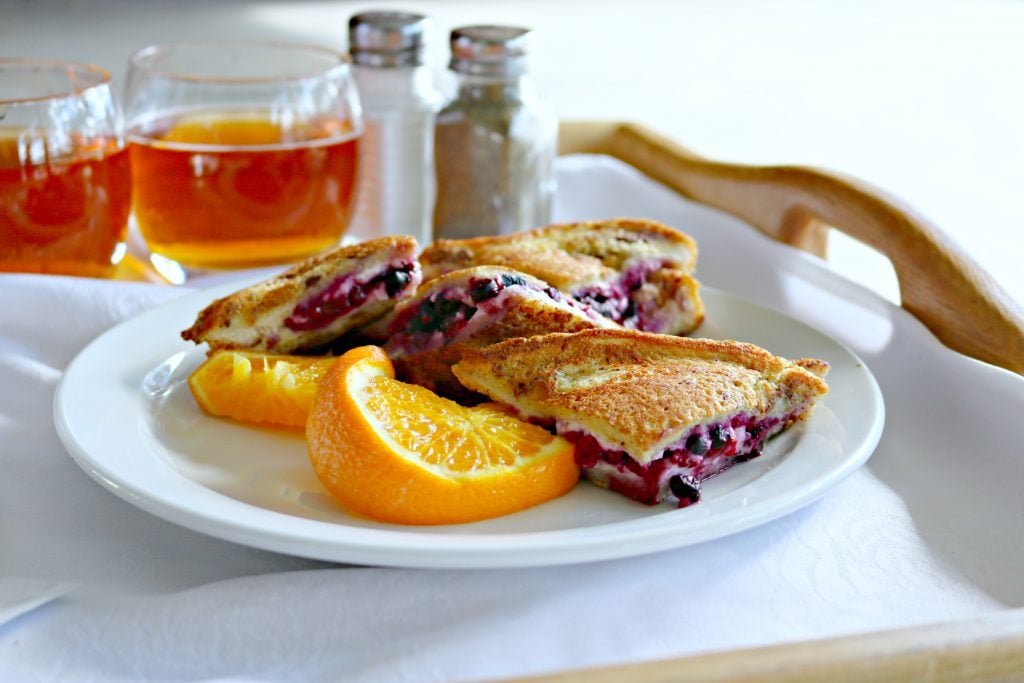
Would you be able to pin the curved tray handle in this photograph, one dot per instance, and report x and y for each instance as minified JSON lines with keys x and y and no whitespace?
{"x":953,"y":296}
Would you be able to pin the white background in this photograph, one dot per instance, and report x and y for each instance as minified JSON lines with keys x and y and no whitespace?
{"x":924,"y":99}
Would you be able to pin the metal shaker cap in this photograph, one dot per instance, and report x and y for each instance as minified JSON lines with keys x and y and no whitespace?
{"x":387,"y":39}
{"x":489,"y":50}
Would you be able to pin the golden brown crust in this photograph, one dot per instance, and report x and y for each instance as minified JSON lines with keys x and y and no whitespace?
{"x":253,"y":317}
{"x":813,"y":365}
{"x":579,"y":257}
{"x":568,"y":255}
{"x":636,"y":391}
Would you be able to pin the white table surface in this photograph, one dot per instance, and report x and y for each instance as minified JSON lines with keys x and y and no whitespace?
{"x":923,"y":98}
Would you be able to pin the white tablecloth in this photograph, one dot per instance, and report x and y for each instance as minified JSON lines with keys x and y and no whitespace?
{"x":928,"y":530}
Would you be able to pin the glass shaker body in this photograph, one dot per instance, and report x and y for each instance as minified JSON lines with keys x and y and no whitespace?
{"x":396,"y":191}
{"x":495,"y":145}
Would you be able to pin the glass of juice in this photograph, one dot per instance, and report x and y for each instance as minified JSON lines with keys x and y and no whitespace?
{"x":65,"y":184}
{"x":243,"y":153}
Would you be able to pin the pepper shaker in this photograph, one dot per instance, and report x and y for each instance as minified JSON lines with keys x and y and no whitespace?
{"x":495,"y":142}
{"x":396,"y":187}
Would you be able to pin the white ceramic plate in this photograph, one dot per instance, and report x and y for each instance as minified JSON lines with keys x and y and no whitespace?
{"x":124,"y":412}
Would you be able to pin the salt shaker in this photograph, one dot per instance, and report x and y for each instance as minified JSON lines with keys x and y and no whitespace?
{"x":396,"y":186}
{"x":495,"y":142}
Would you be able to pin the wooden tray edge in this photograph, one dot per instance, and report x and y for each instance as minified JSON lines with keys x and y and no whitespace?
{"x":981,"y":650}
{"x":942,"y":287}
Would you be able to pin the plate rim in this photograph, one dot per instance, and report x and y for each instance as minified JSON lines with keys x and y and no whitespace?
{"x":399,"y":547}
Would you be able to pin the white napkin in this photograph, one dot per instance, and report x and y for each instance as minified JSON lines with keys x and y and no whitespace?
{"x":20,"y":595}
{"x":923,"y":533}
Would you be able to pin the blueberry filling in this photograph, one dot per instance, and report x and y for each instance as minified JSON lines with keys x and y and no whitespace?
{"x":677,"y":475}
{"x":610,"y":306}
{"x":697,"y":444}
{"x":615,"y":300}
{"x":719,"y":435}
{"x":450,"y":310}
{"x":344,"y":295}
{"x":685,"y":488}
{"x":483,"y":290}
{"x":439,"y":313}
{"x":395,"y":281}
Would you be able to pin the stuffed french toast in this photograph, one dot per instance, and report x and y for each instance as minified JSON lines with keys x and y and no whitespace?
{"x":472,"y":308}
{"x":314,"y":302}
{"x":651,"y":416}
{"x":636,"y":272}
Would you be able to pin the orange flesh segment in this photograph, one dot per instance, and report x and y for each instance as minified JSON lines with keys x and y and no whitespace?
{"x":258,"y":388}
{"x":400,"y":453}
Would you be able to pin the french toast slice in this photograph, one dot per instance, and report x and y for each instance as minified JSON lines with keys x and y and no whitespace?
{"x":315,"y":301}
{"x":426,"y":334}
{"x":652,"y":416}
{"x":636,"y":272}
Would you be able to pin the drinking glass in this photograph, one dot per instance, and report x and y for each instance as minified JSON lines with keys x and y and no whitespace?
{"x":243,"y":153}
{"x":65,"y":185}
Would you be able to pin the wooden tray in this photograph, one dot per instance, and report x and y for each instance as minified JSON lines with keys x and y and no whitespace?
{"x":943,"y":288}
{"x":957,"y":300}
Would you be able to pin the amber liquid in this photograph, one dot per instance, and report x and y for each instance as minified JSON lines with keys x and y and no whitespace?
{"x":230,"y":189}
{"x":58,"y":215}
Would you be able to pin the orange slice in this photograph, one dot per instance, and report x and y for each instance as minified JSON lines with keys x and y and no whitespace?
{"x":258,"y":387}
{"x":400,"y":453}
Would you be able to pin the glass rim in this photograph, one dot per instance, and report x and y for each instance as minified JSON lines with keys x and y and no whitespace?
{"x":101,"y":76}
{"x":135,"y":61}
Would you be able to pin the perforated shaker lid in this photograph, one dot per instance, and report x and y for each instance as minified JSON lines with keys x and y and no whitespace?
{"x":387,"y":39}
{"x":490,"y":50}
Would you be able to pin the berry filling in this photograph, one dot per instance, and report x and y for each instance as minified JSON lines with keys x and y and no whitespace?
{"x":676,"y":477}
{"x":346,"y":293}
{"x":615,"y":299}
{"x":442,"y":316}
{"x":440,"y":313}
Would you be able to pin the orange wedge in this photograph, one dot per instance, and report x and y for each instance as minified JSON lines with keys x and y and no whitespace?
{"x":400,"y":453}
{"x":258,"y":387}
